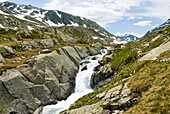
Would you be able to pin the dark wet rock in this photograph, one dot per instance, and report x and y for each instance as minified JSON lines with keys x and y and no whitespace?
{"x":84,"y":67}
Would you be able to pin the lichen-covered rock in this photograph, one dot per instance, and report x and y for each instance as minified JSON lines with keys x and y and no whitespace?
{"x":82,"y":51}
{"x":72,"y":54}
{"x":46,"y":43}
{"x":2,"y":60}
{"x":92,"y":51}
{"x":41,"y":93}
{"x":18,"y":88}
{"x":7,"y":51}
{"x":100,"y":76}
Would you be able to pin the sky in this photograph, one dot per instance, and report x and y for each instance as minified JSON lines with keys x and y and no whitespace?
{"x":118,"y":17}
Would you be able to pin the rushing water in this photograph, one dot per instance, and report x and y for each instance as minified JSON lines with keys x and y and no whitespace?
{"x":82,"y":86}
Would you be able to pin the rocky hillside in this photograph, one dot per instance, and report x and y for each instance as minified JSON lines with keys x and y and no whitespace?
{"x":128,"y":37}
{"x":44,"y":17}
{"x":132,"y":78}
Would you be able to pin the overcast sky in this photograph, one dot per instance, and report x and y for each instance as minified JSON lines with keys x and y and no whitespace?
{"x":116,"y":16}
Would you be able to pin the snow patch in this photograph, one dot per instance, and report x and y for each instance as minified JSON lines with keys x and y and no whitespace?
{"x":58,"y":14}
{"x":15,"y":28}
{"x":119,"y":42}
{"x":95,"y":37}
{"x":1,"y":26}
{"x":1,"y":12}
{"x":74,"y":24}
{"x":50,"y":23}
{"x":85,"y":26}
{"x":30,"y":28}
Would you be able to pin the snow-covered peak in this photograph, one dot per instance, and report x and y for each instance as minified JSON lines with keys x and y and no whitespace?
{"x":128,"y":37}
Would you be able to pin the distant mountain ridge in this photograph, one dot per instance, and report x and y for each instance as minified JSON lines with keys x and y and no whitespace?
{"x":47,"y":17}
{"x":158,"y":27}
{"x":128,"y":37}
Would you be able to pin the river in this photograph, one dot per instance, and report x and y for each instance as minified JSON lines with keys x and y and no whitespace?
{"x":82,"y":85}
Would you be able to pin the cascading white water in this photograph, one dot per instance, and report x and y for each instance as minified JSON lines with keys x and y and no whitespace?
{"x":82,"y":86}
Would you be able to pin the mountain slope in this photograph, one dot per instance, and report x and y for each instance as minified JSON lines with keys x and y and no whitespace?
{"x":49,"y":17}
{"x":128,"y":37}
{"x":159,"y":27}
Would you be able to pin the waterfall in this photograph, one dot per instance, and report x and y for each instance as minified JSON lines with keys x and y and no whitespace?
{"x":82,"y":85}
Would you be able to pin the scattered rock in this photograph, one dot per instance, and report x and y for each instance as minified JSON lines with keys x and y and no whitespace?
{"x":7,"y":51}
{"x":94,"y":58}
{"x":84,"y":67}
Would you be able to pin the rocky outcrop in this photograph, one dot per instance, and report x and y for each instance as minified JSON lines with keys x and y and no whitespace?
{"x":113,"y":101}
{"x":154,"y":53}
{"x":43,"y":43}
{"x":102,"y":72}
{"x":41,"y":81}
{"x":7,"y":51}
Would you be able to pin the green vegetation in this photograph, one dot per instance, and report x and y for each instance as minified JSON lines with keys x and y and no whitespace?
{"x":151,"y":85}
{"x":123,"y":56}
{"x":165,"y":54}
{"x":148,"y":80}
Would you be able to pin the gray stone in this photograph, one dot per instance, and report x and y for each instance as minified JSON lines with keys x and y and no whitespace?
{"x":72,"y":54}
{"x":54,"y":87}
{"x":47,"y":43}
{"x":92,"y":51}
{"x":65,"y":90}
{"x":41,"y":93}
{"x":2,"y":60}
{"x":82,"y":51}
{"x":7,"y":51}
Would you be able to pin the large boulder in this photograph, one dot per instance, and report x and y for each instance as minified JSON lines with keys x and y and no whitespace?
{"x":18,"y":88}
{"x":56,"y":70}
{"x":42,"y":93}
{"x":93,"y":51}
{"x":47,"y":43}
{"x":100,"y":76}
{"x":7,"y":51}
{"x":54,"y":87}
{"x":82,"y":51}
{"x":72,"y":54}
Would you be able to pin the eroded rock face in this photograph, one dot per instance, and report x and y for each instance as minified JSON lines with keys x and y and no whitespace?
{"x":41,"y":81}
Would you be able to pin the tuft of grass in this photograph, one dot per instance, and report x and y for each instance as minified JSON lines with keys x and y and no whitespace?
{"x":165,"y":54}
{"x":151,"y":85}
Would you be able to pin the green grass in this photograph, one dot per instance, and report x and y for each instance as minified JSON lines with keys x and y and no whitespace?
{"x":155,"y":75}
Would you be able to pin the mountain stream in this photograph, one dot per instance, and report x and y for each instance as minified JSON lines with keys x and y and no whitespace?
{"x":82,"y":84}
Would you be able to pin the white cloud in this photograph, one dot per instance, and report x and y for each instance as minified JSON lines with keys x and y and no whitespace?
{"x":139,"y":17}
{"x":107,"y":11}
{"x":130,"y":18}
{"x":101,"y":11}
{"x":143,"y":23}
{"x":132,"y":33}
{"x":3,"y":0}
